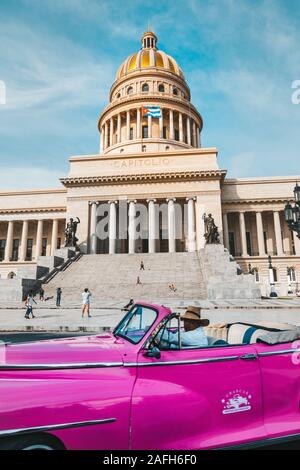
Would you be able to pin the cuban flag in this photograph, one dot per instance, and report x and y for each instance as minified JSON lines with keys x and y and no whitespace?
{"x":153,"y":111}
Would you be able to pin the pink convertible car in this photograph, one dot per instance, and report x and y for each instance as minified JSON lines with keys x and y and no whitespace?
{"x":131,"y":389}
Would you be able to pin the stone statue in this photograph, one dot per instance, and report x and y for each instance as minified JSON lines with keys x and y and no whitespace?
{"x":70,"y":233}
{"x":211,"y":233}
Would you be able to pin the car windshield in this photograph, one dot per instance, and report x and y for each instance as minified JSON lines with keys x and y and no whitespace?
{"x":136,"y":323}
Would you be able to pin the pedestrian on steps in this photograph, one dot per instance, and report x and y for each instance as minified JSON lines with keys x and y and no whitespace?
{"x":58,"y":296}
{"x":42,"y":293}
{"x":29,"y":305}
{"x":86,"y":301}
{"x":142,"y":266}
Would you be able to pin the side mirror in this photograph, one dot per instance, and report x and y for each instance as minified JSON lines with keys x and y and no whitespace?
{"x":153,"y":352}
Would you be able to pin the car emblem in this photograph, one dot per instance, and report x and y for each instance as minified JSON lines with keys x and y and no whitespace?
{"x":236,"y":401}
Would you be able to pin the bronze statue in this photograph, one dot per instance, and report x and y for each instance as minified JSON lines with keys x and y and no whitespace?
{"x":70,"y":233}
{"x":211,"y":234}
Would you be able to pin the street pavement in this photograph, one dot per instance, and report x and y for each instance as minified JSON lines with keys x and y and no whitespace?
{"x":107,"y":314}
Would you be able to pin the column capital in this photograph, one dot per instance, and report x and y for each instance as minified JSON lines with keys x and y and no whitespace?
{"x":151,"y":200}
{"x":190,"y":198}
{"x":171,"y":199}
{"x":112,"y":201}
{"x":131,"y":200}
{"x":94,"y":202}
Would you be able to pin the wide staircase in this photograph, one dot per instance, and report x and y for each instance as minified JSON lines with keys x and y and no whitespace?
{"x":114,"y":277}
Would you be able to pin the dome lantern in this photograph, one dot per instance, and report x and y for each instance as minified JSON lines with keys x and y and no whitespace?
{"x":149,"y":40}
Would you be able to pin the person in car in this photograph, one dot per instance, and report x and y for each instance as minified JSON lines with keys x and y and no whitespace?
{"x":193,"y":334}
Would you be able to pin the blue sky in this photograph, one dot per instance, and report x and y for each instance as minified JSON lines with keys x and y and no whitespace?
{"x":58,"y":59}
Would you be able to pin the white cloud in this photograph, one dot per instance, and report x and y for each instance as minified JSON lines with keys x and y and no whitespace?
{"x":44,"y":70}
{"x":18,"y":178}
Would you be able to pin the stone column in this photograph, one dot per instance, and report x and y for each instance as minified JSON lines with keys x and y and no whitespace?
{"x":171,"y":118}
{"x":260,"y":234}
{"x":23,"y":247}
{"x":200,"y":210}
{"x":127,"y":125}
{"x":9,"y":241}
{"x":278,"y":236}
{"x":119,"y":129}
{"x":197,"y":136}
{"x":296,"y":243}
{"x":131,"y":227}
{"x":149,"y":126}
{"x":161,"y":126}
{"x":171,"y":225}
{"x":191,"y":224}
{"x":39,"y":239}
{"x":102,"y":140}
{"x":188,"y":130}
{"x":106,"y":135}
{"x":180,"y":128}
{"x":194,"y":134}
{"x":225,"y":230}
{"x":54,"y":236}
{"x":243,"y":234}
{"x":93,"y":227}
{"x":152,"y":227}
{"x":112,"y":227}
{"x":138,"y":123}
{"x":111,"y":131}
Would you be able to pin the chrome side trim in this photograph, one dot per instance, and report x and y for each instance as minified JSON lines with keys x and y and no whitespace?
{"x":282,"y":351}
{"x":73,"y":365}
{"x":260,"y":443}
{"x":54,"y":427}
{"x":176,"y":363}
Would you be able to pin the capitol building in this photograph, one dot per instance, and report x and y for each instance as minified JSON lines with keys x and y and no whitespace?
{"x":151,"y":155}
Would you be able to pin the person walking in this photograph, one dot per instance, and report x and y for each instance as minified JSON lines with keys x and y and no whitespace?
{"x":42,"y":293}
{"x":142,"y":266}
{"x":58,"y":296}
{"x":138,"y":281}
{"x":86,"y":302}
{"x":29,"y":305}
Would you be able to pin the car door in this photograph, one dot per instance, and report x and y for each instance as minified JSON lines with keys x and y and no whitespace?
{"x":280,"y":368}
{"x":197,"y":398}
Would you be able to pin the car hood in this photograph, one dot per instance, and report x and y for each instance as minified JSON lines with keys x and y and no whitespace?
{"x":81,"y":350}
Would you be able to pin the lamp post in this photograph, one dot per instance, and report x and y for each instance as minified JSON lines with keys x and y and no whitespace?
{"x":292,"y":213}
{"x":289,"y":279}
{"x":271,"y":278}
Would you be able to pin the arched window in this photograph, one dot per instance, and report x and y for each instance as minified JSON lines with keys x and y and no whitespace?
{"x":145,"y":87}
{"x":118,"y":95}
{"x":256,"y":274}
{"x":175,"y":91}
{"x":11,"y":275}
{"x":167,"y":147}
{"x":144,"y":148}
{"x":129,"y":90}
{"x":161,"y":88}
{"x":121,"y":150}
{"x":275,"y":274}
{"x":292,"y":274}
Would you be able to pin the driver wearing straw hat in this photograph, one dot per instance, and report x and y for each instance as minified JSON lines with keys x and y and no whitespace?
{"x":193,"y":334}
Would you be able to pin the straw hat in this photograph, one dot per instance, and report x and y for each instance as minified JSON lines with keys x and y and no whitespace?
{"x":194,"y":313}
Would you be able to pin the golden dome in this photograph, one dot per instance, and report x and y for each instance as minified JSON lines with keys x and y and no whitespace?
{"x":149,"y":57}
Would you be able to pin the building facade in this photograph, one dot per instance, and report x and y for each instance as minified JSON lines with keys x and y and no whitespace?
{"x":155,"y":163}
